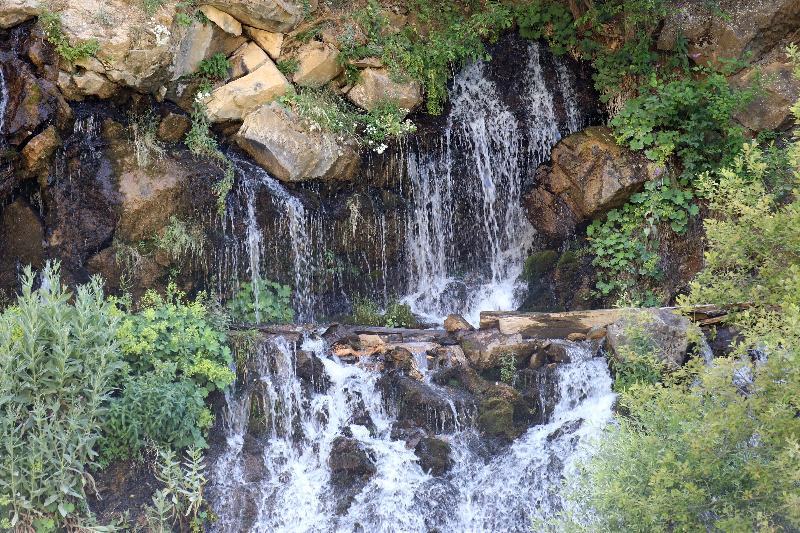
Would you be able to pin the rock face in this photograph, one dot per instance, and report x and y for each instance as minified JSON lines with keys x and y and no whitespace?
{"x":749,"y":27}
{"x":37,"y":152}
{"x":94,"y":84}
{"x":173,"y":127}
{"x":426,"y":405}
{"x":271,"y":15}
{"x":200,"y":42}
{"x":589,"y":175}
{"x":15,"y":11}
{"x":247,"y":59}
{"x":773,"y":110}
{"x":348,"y":461}
{"x":376,"y":86}
{"x":483,"y":347}
{"x":234,"y":100}
{"x":223,"y":20}
{"x":22,"y":235}
{"x":316,"y":64}
{"x":669,"y":333}
{"x":270,"y":42}
{"x":277,"y":141}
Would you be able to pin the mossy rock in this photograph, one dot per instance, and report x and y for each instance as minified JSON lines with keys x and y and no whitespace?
{"x":497,"y":418}
{"x":434,"y":456}
{"x":537,"y":264}
{"x":568,"y":264}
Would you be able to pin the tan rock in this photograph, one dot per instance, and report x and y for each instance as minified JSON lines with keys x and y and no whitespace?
{"x":234,"y":100}
{"x":200,"y":42}
{"x":589,"y":175}
{"x":483,"y":347}
{"x":576,"y":337}
{"x":270,"y":42}
{"x":13,"y":12}
{"x":276,"y":139}
{"x":173,"y":127}
{"x":94,"y":84}
{"x":316,"y":64}
{"x":773,"y":110}
{"x":596,"y":332}
{"x":376,"y":86}
{"x":247,"y":59}
{"x":93,"y":64}
{"x":67,"y":87}
{"x":455,"y":323}
{"x":39,"y":149}
{"x":271,"y":15}
{"x":223,"y":20}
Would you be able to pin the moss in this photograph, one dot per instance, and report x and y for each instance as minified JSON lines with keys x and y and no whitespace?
{"x":35,"y":95}
{"x":10,"y":155}
{"x":496,"y":418}
{"x":537,"y":264}
{"x":567,"y":265}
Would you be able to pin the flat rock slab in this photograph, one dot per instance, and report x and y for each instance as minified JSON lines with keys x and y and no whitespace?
{"x":549,"y":325}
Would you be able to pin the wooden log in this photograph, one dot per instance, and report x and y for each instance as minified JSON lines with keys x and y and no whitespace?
{"x":553,"y":325}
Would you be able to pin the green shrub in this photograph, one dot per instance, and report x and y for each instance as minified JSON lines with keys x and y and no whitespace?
{"x":637,"y":362}
{"x":157,"y":407}
{"x":367,"y":312}
{"x":57,"y":362}
{"x":51,"y":24}
{"x":262,"y":301}
{"x":288,"y":66}
{"x":168,"y":330}
{"x":216,"y":67}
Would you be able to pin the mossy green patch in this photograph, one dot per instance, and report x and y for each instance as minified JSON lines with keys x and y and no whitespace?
{"x":537,"y":264}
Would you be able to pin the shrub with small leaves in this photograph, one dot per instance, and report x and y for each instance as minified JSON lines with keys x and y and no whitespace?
{"x":262,"y":301}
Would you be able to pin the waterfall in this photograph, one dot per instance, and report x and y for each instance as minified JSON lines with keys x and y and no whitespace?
{"x":477,"y":175}
{"x":3,"y":100}
{"x":280,"y":480}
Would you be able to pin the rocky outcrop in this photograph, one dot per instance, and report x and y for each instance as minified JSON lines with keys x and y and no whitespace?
{"x":276,"y":139}
{"x":271,"y":15}
{"x":14,"y":12}
{"x":484,"y":347}
{"x":668,"y":334}
{"x":589,"y":175}
{"x":377,"y":86}
{"x":772,"y":111}
{"x":270,"y":42}
{"x":248,"y":58}
{"x":316,"y":64}
{"x":36,"y":154}
{"x":235,"y":100}
{"x":225,"y":22}
{"x":747,"y":27}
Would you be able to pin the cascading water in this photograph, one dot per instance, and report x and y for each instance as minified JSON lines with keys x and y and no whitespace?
{"x":477,"y":175}
{"x":3,"y":100}
{"x":281,"y":481}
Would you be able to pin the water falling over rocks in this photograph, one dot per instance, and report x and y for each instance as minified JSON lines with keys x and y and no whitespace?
{"x":314,"y":444}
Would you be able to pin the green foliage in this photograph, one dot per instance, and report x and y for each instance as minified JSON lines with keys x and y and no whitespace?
{"x":288,"y":66}
{"x":553,"y":20}
{"x":50,"y":22}
{"x":159,"y":407}
{"x":166,"y":329}
{"x":57,"y":360}
{"x":146,"y":145}
{"x":181,"y":239}
{"x":508,"y":366}
{"x":180,"y":503}
{"x":216,"y":67}
{"x":309,"y":35}
{"x":690,"y":118}
{"x":625,"y":243}
{"x":537,"y":264}
{"x":367,"y":312}
{"x":151,"y":6}
{"x":637,"y":361}
{"x":262,"y":301}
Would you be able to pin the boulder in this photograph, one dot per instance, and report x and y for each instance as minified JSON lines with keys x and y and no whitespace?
{"x":276,"y":139}
{"x":13,"y":12}
{"x":269,"y":41}
{"x":589,"y":175}
{"x":271,"y":15}
{"x":438,"y":409}
{"x":348,"y":462}
{"x":376,"y":86}
{"x":225,"y":22}
{"x":247,"y":59}
{"x":669,"y":333}
{"x":773,"y":111}
{"x":37,"y":152}
{"x":483,"y":348}
{"x":173,"y":127}
{"x":749,"y":27}
{"x":455,"y":323}
{"x":496,"y":418}
{"x":200,"y":42}
{"x":316,"y":64}
{"x":234,"y":100}
{"x":94,"y":84}
{"x":434,"y":456}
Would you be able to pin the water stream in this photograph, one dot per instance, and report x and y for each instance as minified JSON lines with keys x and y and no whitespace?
{"x":280,"y":481}
{"x":3,"y":100}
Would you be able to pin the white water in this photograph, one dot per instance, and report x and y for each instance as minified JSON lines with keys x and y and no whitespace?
{"x":288,"y":490}
{"x":487,"y":139}
{"x":3,"y":100}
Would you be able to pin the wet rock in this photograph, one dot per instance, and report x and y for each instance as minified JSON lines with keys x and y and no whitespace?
{"x":349,"y":462}
{"x":537,"y":264}
{"x":226,"y":22}
{"x":271,"y":15}
{"x":173,"y":127}
{"x":14,"y":12}
{"x":496,"y":418}
{"x":36,"y":154}
{"x":275,"y":138}
{"x":483,"y":347}
{"x":428,"y":406}
{"x":247,"y":59}
{"x":773,"y":110}
{"x":540,"y":391}
{"x":669,"y":333}
{"x":589,"y":175}
{"x":434,"y":456}
{"x":410,"y":432}
{"x":21,"y":238}
{"x":235,"y":100}
{"x":376,"y":85}
{"x":596,"y":332}
{"x":316,"y":64}
{"x":455,"y":323}
{"x":311,"y":369}
{"x":253,"y":457}
{"x":270,"y":42}
{"x":723,"y":340}
{"x":557,"y":353}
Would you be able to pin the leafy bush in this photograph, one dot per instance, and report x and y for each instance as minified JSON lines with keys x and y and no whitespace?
{"x":166,"y":329}
{"x":367,"y":312}
{"x":262,"y":301}
{"x":637,"y":361}
{"x":157,"y":407}
{"x":553,"y":20}
{"x":288,"y":66}
{"x":181,"y":500}
{"x":57,"y":361}
{"x":181,"y":239}
{"x":215,"y":67}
